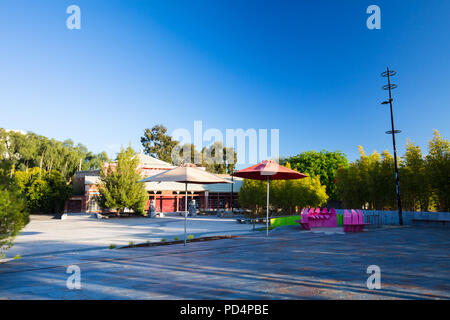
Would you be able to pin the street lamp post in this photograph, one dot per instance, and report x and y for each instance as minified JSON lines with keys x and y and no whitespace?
{"x":388,"y":73}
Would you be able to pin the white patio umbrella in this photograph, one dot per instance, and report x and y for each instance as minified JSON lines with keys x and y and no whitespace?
{"x":187,"y":173}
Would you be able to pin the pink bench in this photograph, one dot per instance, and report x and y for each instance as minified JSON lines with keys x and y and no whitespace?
{"x":304,"y":221}
{"x":315,"y":218}
{"x":354,"y":221}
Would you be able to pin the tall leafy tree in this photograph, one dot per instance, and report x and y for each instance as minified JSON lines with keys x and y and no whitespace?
{"x":368,"y":182}
{"x":119,"y":187}
{"x":219,"y":159}
{"x":415,"y":188}
{"x":438,"y":170}
{"x":158,"y":143}
{"x":13,"y":216}
{"x":45,"y":192}
{"x":185,"y":154}
{"x":19,"y":152}
{"x":323,"y":164}
{"x":424,"y":182}
{"x":285,"y":195}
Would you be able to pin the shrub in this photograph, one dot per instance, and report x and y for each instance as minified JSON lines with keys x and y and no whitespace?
{"x":13,"y":216}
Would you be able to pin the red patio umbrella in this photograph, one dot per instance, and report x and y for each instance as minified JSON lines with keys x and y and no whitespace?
{"x":268,"y":170}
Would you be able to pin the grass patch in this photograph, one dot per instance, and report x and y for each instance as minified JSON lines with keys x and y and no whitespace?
{"x":264,"y":228}
{"x":154,"y":244}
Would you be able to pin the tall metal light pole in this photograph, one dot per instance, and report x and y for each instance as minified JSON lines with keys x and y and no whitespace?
{"x":389,"y":73}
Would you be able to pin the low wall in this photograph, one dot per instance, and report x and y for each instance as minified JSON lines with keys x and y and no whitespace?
{"x":391,"y":217}
{"x":386,"y":217}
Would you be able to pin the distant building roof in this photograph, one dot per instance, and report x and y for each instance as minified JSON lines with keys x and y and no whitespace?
{"x":225,"y":187}
{"x":173,"y":186}
{"x":149,"y":161}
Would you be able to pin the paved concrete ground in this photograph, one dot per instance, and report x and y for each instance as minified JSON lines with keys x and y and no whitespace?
{"x":44,"y":235}
{"x":290,"y":264}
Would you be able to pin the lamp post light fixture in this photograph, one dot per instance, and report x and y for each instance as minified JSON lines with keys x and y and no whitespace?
{"x":388,"y":74}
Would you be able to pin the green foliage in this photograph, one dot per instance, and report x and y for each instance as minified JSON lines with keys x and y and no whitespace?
{"x":112,"y":246}
{"x":285,"y":195}
{"x":19,"y":152}
{"x":368,"y":181}
{"x":424,"y":182}
{"x":438,"y":170}
{"x":119,"y":187}
{"x":415,"y":189}
{"x":185,"y":154}
{"x":219,"y":159}
{"x":44,"y":192}
{"x":13,"y":215}
{"x":158,"y":143}
{"x":176,"y":238}
{"x":323,"y":164}
{"x":252,"y":194}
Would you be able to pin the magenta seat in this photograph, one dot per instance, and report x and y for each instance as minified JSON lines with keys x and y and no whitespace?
{"x":354,"y":221}
{"x":360,"y":220}
{"x":304,"y":222}
{"x":347,"y":221}
{"x":313,"y":218}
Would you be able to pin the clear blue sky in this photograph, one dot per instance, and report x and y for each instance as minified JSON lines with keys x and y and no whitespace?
{"x":309,"y":68}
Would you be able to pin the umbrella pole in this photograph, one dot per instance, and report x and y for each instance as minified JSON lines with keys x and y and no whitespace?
{"x":267,"y":212}
{"x":185,"y":214}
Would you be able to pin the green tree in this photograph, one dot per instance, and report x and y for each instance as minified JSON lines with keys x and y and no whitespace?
{"x":324,"y":164}
{"x":438,"y":171}
{"x":45,"y":192}
{"x":252,"y":195}
{"x":186,"y":153}
{"x":19,"y":152}
{"x":119,"y":187}
{"x":158,"y":143}
{"x":13,"y":216}
{"x":285,"y":195}
{"x":219,"y":159}
{"x":415,"y":190}
{"x":424,"y":182}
